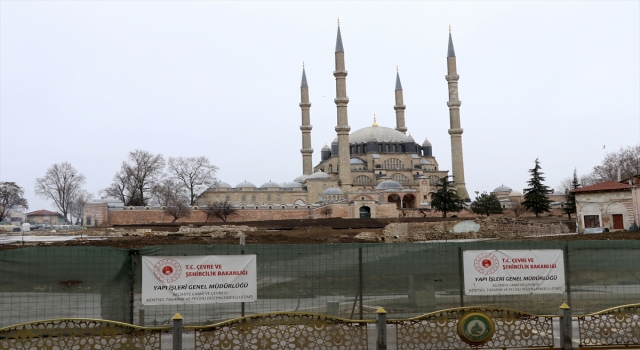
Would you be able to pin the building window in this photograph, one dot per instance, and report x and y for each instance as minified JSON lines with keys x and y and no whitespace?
{"x":88,"y":220}
{"x":425,"y":196}
{"x":253,"y":198}
{"x":228,"y":198}
{"x":362,"y":180}
{"x":269,"y":198}
{"x":591,"y":221}
{"x":393,"y":163}
{"x":279,"y":199}
{"x":403,"y":180}
{"x":244,"y":198}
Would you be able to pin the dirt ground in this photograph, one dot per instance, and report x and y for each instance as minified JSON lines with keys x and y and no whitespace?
{"x":318,"y":231}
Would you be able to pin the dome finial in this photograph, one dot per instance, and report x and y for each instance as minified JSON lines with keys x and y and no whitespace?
{"x":396,"y":69}
{"x":449,"y":28}
{"x":338,"y":21}
{"x":375,"y":123}
{"x":302,"y":64}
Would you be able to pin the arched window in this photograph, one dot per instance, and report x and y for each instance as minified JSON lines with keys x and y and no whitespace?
{"x":217,"y":198}
{"x":393,"y":164}
{"x":279,"y":199}
{"x":403,"y":180}
{"x":362,"y":180}
{"x":88,"y":221}
{"x":253,"y":198}
{"x":244,"y":198}
{"x":330,"y":168}
{"x":228,"y":198}
{"x":269,"y":198}
{"x":324,"y":186}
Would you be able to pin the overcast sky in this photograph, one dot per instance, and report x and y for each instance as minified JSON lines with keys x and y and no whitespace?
{"x":87,"y":82}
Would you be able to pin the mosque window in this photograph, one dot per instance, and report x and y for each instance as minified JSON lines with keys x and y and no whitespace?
{"x":362,"y":180}
{"x":217,"y":198}
{"x":324,"y":186}
{"x":364,"y":149}
{"x":227,"y":198}
{"x":269,"y":198}
{"x":279,"y":199}
{"x":379,"y":148}
{"x":253,"y":198}
{"x":244,"y":198}
{"x":403,"y":180}
{"x":330,"y":168}
{"x":393,"y":163}
{"x":88,"y":222}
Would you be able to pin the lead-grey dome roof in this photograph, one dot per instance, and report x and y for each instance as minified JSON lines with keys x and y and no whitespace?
{"x":379,"y":134}
{"x":319,"y":175}
{"x":356,"y":161}
{"x":332,"y":190}
{"x":292,"y":185}
{"x":502,"y":188}
{"x":326,"y":148}
{"x":389,"y":185}
{"x":301,"y":178}
{"x":426,"y":143}
{"x":245,"y":184}
{"x":270,"y":185}
{"x":220,"y":184}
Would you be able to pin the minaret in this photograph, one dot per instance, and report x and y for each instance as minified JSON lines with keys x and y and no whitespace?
{"x":343,"y":128}
{"x":306,"y":127}
{"x":399,"y":107}
{"x":454,"y":119}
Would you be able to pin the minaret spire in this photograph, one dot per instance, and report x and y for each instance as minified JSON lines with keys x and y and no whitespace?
{"x":455,"y":129}
{"x":342,"y":127}
{"x":399,"y":107}
{"x":306,"y":127}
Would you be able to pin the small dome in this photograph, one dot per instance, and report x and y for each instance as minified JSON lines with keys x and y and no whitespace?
{"x":326,"y":148}
{"x":301,"y":178}
{"x":245,"y":184}
{"x":377,"y":133}
{"x":319,"y":175}
{"x":292,"y":185}
{"x":270,"y":185}
{"x":356,"y":161}
{"x":515,"y":194}
{"x":424,"y":161}
{"x":426,"y":143}
{"x":332,"y":190}
{"x":389,"y":185}
{"x":220,"y":184}
{"x":502,"y":188}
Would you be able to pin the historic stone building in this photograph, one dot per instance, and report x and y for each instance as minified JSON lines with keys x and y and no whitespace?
{"x":364,"y":169}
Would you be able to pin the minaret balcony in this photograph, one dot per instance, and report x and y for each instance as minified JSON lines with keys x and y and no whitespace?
{"x":306,"y":127}
{"x":305,"y":105}
{"x":399,"y":107}
{"x":306,"y":150}
{"x":457,"y":131}
{"x":340,"y":73}
{"x":341,"y":101}
{"x":343,"y":128}
{"x":452,"y":77}
{"x":454,"y":104}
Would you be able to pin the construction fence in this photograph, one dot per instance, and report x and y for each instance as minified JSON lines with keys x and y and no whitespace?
{"x":344,"y":280}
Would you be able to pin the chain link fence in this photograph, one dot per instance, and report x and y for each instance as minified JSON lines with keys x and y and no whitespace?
{"x":345,"y":280}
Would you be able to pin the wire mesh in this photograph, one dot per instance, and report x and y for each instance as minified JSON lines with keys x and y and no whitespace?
{"x":344,"y":280}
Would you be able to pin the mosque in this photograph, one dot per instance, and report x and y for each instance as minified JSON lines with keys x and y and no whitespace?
{"x":368,"y":171}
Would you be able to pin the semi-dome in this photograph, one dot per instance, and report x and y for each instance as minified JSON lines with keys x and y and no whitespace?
{"x":220,"y":184}
{"x":389,"y":185}
{"x":515,"y":194}
{"x":332,"y":190}
{"x":245,"y":184}
{"x":292,"y":185}
{"x":270,"y":185}
{"x":379,"y":134}
{"x":356,"y":161}
{"x":301,"y":178}
{"x":319,"y":175}
{"x":502,"y":188}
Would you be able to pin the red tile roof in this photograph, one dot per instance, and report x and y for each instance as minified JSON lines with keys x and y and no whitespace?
{"x":604,"y":186}
{"x":43,"y":212}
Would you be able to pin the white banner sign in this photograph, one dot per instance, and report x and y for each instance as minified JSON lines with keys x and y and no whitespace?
{"x":500,"y":272}
{"x":203,"y":279}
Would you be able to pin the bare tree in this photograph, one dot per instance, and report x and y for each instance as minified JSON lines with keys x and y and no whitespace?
{"x":60,"y":184}
{"x":194,"y":172}
{"x":76,"y":210}
{"x":326,"y":211}
{"x":137,"y":177}
{"x":11,"y":196}
{"x":121,"y":188}
{"x":626,"y":159}
{"x":220,"y":210}
{"x":565,"y":184}
{"x":516,"y":207}
{"x":172,"y":196}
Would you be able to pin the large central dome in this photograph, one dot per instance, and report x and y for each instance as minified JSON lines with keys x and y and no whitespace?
{"x":378,"y":134}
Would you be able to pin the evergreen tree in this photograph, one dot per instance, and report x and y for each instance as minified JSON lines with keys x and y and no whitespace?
{"x":445,"y":198}
{"x":486,"y":204}
{"x":570,"y":204}
{"x":536,"y":197}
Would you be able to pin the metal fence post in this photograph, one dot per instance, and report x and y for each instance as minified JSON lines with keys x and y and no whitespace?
{"x":381,"y":325}
{"x":565,"y":327}
{"x":177,"y":332}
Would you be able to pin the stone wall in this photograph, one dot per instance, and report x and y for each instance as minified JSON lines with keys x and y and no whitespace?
{"x":471,"y":229}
